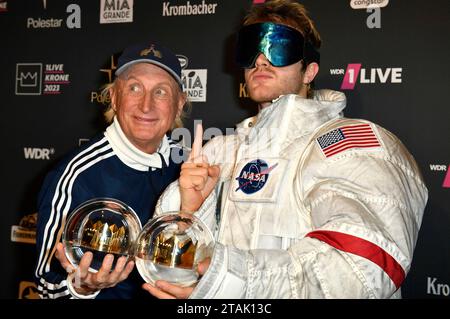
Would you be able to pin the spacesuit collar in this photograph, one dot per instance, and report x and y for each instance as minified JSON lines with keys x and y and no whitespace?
{"x":131,"y":155}
{"x":292,"y":116}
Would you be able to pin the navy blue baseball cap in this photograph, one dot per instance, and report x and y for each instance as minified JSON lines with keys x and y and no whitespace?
{"x":153,"y":53}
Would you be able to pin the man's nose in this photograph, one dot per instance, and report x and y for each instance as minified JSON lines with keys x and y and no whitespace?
{"x":146,"y":103}
{"x":261,"y":60}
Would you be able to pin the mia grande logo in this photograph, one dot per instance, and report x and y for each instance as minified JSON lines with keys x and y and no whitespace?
{"x":116,"y":11}
{"x":194,"y":80}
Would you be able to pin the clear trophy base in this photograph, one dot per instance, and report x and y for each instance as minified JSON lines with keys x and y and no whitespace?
{"x":152,"y":272}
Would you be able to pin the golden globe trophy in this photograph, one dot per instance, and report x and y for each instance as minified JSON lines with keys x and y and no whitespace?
{"x":170,"y":247}
{"x":102,"y":226}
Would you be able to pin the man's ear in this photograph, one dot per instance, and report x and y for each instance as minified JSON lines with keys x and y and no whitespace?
{"x":310,"y":73}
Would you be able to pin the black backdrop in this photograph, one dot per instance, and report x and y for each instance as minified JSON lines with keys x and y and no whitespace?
{"x":56,"y":54}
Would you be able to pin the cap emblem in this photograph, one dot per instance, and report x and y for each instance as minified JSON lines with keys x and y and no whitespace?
{"x":151,"y":50}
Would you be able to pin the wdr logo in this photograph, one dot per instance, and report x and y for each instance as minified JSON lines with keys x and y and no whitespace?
{"x":442,"y":168}
{"x":35,"y":153}
{"x":355,"y":72}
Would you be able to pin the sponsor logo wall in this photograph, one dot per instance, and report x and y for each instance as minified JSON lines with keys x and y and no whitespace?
{"x":57,"y":55}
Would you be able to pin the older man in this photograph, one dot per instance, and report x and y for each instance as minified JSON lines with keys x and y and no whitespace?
{"x":130,"y":162}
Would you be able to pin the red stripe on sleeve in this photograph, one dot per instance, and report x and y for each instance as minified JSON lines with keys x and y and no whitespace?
{"x":362,"y":248}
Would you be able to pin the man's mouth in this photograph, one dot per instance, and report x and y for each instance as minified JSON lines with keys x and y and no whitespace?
{"x":260,"y":76}
{"x":145,"y":119}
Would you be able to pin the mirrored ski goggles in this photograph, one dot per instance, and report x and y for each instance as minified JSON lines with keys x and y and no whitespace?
{"x":280,"y":44}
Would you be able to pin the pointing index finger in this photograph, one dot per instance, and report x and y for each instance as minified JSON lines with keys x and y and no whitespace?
{"x":196,"y":150}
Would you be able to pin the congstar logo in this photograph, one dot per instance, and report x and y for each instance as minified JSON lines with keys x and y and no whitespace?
{"x":364,"y":4}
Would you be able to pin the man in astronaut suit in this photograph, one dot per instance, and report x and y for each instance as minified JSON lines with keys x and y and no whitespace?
{"x":304,"y":202}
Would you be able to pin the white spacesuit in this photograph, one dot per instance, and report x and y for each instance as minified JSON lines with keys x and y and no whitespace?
{"x":309,"y":205}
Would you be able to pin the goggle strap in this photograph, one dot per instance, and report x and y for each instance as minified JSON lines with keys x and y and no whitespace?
{"x":310,"y":53}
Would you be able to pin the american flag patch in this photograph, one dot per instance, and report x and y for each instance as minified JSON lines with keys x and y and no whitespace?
{"x":346,"y":137}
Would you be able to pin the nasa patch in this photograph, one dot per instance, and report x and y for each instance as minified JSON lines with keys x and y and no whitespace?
{"x":253,"y":176}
